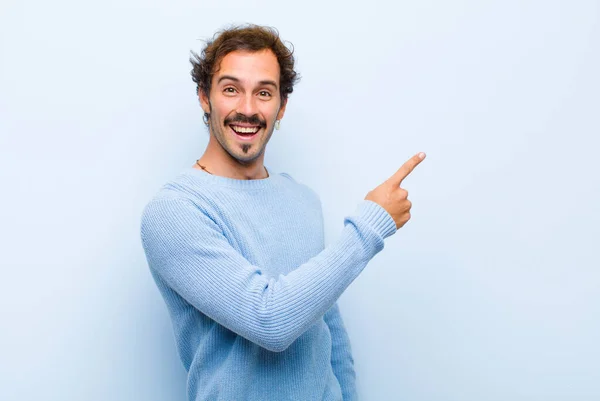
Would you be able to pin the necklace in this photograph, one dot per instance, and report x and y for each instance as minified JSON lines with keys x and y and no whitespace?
{"x":204,"y":168}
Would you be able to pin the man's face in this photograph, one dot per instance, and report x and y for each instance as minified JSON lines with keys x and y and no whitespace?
{"x":244,"y":103}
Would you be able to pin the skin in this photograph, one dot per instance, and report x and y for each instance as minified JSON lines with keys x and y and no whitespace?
{"x":392,"y":197}
{"x":244,"y":92}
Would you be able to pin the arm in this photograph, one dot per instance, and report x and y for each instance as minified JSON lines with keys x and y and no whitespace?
{"x":341,"y":354}
{"x":188,"y":251}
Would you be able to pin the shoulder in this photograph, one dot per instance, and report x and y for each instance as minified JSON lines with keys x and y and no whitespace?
{"x":176,"y":202}
{"x":301,"y":187}
{"x":174,"y":219}
{"x":186,"y":188}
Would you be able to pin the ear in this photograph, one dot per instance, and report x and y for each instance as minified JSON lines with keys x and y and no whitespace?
{"x":282,"y":109}
{"x":204,"y":102}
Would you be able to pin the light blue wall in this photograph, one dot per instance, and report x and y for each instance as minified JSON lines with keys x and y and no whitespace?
{"x":490,"y":292}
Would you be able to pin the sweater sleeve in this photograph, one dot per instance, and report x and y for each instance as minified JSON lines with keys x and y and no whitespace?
{"x":342,"y":362}
{"x":188,"y":251}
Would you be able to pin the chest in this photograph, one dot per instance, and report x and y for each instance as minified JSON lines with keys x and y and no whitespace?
{"x":279,"y":233}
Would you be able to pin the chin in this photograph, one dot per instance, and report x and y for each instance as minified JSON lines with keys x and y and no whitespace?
{"x":244,"y":158}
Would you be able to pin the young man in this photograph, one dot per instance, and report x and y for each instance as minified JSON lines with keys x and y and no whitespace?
{"x":237,"y":250}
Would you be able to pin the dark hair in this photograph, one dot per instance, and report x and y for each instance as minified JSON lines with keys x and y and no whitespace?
{"x":250,"y":38}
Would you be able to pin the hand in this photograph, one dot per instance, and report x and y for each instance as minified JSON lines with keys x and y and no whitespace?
{"x":391,"y":197}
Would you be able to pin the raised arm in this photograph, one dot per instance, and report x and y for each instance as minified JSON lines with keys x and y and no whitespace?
{"x":188,"y":251}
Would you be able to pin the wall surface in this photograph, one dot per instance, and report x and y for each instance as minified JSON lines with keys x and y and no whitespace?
{"x":490,"y":292}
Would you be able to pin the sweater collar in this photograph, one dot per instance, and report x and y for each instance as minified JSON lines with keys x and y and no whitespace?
{"x":233,"y":182}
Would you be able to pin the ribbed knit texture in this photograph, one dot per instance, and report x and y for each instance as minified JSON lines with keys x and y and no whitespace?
{"x":250,"y":287}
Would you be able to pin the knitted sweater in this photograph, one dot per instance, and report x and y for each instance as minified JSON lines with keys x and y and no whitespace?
{"x":251,"y":288}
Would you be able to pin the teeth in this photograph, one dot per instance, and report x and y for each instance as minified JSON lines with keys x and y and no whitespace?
{"x":245,"y":130}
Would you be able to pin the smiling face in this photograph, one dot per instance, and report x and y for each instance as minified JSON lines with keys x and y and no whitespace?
{"x":244,"y":103}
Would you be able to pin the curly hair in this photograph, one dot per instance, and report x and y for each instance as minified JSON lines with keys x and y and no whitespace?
{"x":250,"y":38}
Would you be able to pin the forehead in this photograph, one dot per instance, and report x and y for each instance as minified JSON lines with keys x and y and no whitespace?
{"x":249,"y":66}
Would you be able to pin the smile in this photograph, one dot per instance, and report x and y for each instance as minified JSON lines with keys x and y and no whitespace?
{"x":244,"y":133}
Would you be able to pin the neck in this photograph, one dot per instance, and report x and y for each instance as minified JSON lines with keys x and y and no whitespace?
{"x":219,"y":162}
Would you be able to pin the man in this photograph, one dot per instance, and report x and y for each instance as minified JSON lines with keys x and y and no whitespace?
{"x":237,"y":250}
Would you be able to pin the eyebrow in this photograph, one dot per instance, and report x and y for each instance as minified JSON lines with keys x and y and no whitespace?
{"x":232,"y":78}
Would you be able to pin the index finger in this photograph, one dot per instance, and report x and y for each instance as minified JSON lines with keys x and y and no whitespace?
{"x":406,"y":169}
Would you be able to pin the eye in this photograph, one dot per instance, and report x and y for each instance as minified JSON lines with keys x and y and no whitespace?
{"x":265,"y":94}
{"x":229,"y":89}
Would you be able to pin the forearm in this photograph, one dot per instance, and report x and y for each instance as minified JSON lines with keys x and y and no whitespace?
{"x":273,"y":312}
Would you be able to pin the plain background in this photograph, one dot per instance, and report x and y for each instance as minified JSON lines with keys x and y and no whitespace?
{"x":490,"y":292}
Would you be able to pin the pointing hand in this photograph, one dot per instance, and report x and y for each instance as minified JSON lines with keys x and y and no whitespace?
{"x":391,"y":197}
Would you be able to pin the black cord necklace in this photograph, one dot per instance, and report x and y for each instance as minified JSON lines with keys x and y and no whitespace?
{"x":204,"y":168}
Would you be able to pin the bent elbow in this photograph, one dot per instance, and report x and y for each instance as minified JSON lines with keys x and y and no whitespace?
{"x":276,"y":342}
{"x":277,"y":346}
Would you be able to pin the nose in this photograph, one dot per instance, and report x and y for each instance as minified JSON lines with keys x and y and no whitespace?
{"x":247,"y":105}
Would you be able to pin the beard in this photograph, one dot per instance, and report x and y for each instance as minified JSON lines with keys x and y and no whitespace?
{"x":244,"y":153}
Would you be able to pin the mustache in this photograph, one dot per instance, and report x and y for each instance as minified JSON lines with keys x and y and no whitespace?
{"x":241,"y":118}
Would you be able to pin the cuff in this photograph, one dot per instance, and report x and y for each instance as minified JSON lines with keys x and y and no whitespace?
{"x":377,"y":217}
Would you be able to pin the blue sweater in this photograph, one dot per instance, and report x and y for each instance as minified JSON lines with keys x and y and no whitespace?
{"x":251,"y":288}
